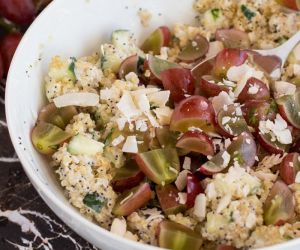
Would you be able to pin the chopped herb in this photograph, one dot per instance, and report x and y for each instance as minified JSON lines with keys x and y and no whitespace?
{"x":252,"y":117}
{"x":94,"y":201}
{"x":247,"y":12}
{"x":273,"y":107}
{"x":215,"y":13}
{"x":72,"y":67}
{"x":239,"y":158}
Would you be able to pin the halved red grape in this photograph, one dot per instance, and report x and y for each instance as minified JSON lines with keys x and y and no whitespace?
{"x":160,"y":165}
{"x":289,"y":168}
{"x":133,"y":199}
{"x":273,"y":147}
{"x":231,"y":121}
{"x":57,"y":116}
{"x":194,"y":188}
{"x":8,"y":47}
{"x":168,"y":199}
{"x":233,"y":38}
{"x":279,"y":206}
{"x":194,"y":111}
{"x":292,"y":4}
{"x":172,"y":235}
{"x":194,"y":49}
{"x":18,"y":11}
{"x":241,"y":150}
{"x":156,"y":66}
{"x":180,"y":82}
{"x":228,"y":58}
{"x":209,"y":86}
{"x":46,"y":137}
{"x":289,"y":108}
{"x":130,"y":64}
{"x":203,"y":68}
{"x":268,"y":63}
{"x":255,"y":111}
{"x":127,"y":176}
{"x":254,"y":89}
{"x":159,"y":38}
{"x":196,"y":141}
{"x":225,"y":247}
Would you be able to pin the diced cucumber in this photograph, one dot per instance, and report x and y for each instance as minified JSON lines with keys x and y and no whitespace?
{"x":80,"y":144}
{"x":111,"y":58}
{"x":71,"y":69}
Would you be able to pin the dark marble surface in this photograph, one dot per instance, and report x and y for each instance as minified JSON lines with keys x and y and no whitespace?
{"x":26,"y":222}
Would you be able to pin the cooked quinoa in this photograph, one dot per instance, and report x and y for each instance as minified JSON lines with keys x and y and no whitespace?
{"x":230,"y":210}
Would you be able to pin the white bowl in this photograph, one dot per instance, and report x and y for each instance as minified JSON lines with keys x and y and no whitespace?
{"x":75,"y":28}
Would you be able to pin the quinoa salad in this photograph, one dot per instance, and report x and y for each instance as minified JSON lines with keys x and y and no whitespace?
{"x":158,"y":150}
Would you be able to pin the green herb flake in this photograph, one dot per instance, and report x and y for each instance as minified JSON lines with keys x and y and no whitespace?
{"x":94,"y":201}
{"x":108,"y":138}
{"x":215,"y":13}
{"x":72,"y":66}
{"x":253,"y":120}
{"x":247,"y":12}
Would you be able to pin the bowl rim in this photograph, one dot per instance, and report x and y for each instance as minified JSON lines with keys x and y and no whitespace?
{"x":41,"y":188}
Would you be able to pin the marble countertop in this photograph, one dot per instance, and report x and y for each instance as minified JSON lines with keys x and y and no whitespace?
{"x":26,"y":222}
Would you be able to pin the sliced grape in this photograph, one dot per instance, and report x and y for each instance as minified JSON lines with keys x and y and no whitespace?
{"x":209,"y":86}
{"x":168,"y":199}
{"x":159,"y":38}
{"x":242,"y":150}
{"x":233,"y":38}
{"x":273,"y":147}
{"x":194,"y":49}
{"x":255,"y":111}
{"x":178,"y":237}
{"x":231,"y":122}
{"x":279,"y":206}
{"x":20,"y":11}
{"x":254,"y":89}
{"x":194,"y":188}
{"x":289,"y":108}
{"x":180,"y":82}
{"x":57,"y":116}
{"x":203,"y":68}
{"x":132,"y":199}
{"x":196,"y":141}
{"x":156,"y":66}
{"x":289,"y":168}
{"x":130,"y":64}
{"x":292,"y":4}
{"x":160,"y":165}
{"x":47,"y":137}
{"x":194,"y":111}
{"x":268,"y":63}
{"x":228,"y":58}
{"x":127,"y":176}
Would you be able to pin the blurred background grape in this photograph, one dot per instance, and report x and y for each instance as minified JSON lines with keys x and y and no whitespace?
{"x":15,"y":17}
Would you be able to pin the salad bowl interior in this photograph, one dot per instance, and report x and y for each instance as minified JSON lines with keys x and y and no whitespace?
{"x":76,"y":28}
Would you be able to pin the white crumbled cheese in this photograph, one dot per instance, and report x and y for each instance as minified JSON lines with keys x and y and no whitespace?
{"x":130,"y":145}
{"x":297,"y":178}
{"x":211,"y":191}
{"x":141,"y":125}
{"x":241,"y":74}
{"x":132,"y":77}
{"x":142,"y":102}
{"x":251,"y":220}
{"x":118,"y":140}
{"x":253,"y":89}
{"x":182,"y":198}
{"x":163,"y":53}
{"x":152,"y":119}
{"x":225,"y":119}
{"x":181,"y":179}
{"x":106,"y":94}
{"x":238,"y":111}
{"x":296,"y":69}
{"x":278,"y":130}
{"x":159,"y":99}
{"x":82,"y":99}
{"x":121,"y":123}
{"x":221,"y":100}
{"x":163,"y":115}
{"x":145,"y":91}
{"x":229,"y":83}
{"x":200,"y":206}
{"x":226,"y":159}
{"x":227,"y":142}
{"x":187,"y":163}
{"x":127,"y":106}
{"x":282,"y":88}
{"x":224,"y":202}
{"x":118,"y":227}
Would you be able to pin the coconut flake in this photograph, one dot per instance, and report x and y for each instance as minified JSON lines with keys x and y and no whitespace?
{"x":118,"y":227}
{"x":127,"y":106}
{"x":224,"y":202}
{"x":221,"y":100}
{"x":159,"y":99}
{"x":181,"y":180}
{"x":130,"y":145}
{"x":182,"y":198}
{"x":200,"y":206}
{"x":118,"y":140}
{"x":81,"y":99}
{"x":187,"y":163}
